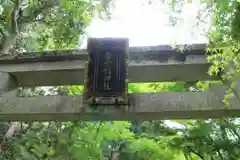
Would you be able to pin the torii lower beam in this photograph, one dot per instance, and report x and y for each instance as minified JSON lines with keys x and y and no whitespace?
{"x":144,"y":106}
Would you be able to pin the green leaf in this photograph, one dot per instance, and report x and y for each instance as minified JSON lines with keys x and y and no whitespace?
{"x":1,"y":9}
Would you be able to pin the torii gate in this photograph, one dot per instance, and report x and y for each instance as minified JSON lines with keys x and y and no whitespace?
{"x":146,"y":64}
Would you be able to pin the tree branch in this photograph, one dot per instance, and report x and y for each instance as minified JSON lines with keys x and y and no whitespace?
{"x":10,"y":40}
{"x":232,"y":128}
{"x":10,"y":132}
{"x":37,"y":12}
{"x":195,"y":152}
{"x":2,"y":33}
{"x":220,"y":155}
{"x":15,"y":16}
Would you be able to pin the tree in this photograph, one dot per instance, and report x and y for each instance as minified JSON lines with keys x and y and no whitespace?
{"x":47,"y":24}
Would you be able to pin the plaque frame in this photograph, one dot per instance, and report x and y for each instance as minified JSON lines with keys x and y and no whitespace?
{"x":94,"y":93}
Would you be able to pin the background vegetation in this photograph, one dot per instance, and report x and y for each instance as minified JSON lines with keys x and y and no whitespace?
{"x":36,"y":25}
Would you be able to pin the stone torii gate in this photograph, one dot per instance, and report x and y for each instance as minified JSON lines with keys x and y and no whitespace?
{"x":146,"y":64}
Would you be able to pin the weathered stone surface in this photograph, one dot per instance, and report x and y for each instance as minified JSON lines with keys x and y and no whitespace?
{"x":145,"y":106}
{"x":72,"y":72}
{"x":7,"y":82}
{"x":157,"y":53}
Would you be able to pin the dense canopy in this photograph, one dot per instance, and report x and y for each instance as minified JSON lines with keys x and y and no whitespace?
{"x":36,"y":25}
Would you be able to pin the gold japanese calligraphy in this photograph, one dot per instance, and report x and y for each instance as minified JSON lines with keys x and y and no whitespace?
{"x":106,"y":71}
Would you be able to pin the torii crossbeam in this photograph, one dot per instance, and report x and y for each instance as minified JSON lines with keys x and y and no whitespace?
{"x":158,"y":63}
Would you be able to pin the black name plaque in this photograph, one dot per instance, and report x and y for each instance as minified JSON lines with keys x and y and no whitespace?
{"x":106,"y":71}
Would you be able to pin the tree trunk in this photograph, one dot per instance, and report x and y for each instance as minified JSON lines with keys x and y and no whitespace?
{"x":7,"y":43}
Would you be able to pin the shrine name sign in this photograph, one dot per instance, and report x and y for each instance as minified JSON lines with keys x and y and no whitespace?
{"x":106,"y":71}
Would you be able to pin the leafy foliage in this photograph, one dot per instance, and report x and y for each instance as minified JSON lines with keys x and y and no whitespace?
{"x":39,"y":22}
{"x":54,"y":24}
{"x":194,"y":139}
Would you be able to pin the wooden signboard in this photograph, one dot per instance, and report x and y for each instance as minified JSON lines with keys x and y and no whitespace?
{"x":106,"y":71}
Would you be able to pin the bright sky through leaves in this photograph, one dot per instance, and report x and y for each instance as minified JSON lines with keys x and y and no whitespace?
{"x":147,"y":24}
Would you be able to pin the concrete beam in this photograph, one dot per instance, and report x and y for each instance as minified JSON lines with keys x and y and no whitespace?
{"x":7,"y":82}
{"x":72,"y":72}
{"x":145,"y":106}
{"x":157,"y":53}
